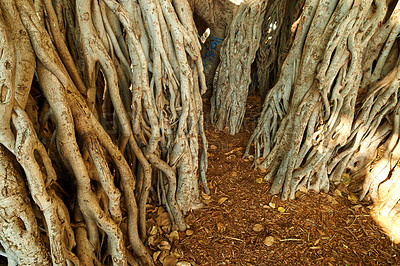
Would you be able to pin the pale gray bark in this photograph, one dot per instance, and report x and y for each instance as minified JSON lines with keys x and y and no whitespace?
{"x":232,"y":79}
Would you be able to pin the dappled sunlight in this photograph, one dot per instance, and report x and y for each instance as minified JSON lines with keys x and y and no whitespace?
{"x":236,"y":2}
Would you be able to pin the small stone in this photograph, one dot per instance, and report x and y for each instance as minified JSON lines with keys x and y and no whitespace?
{"x":269,"y":241}
{"x":272,"y":205}
{"x":189,"y":232}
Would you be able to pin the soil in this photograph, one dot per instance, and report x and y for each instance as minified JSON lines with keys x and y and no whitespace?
{"x":242,"y":224}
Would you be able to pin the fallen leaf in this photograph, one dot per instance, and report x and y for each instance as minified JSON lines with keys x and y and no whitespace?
{"x":170,"y":260}
{"x":272,"y":205}
{"x":346,"y":179}
{"x":189,"y":232}
{"x":352,"y":198}
{"x":153,"y":231}
{"x":263,"y":170}
{"x":205,"y":196}
{"x":160,"y":210}
{"x":213,"y":147}
{"x":163,"y":219}
{"x":162,"y":256}
{"x":260,"y":180}
{"x":151,"y":241}
{"x":155,"y":255}
{"x":338,"y":193}
{"x":173,"y":236}
{"x":281,"y":209}
{"x":258,"y":228}
{"x":222,"y":200}
{"x":331,"y":199}
{"x":164,"y":245}
{"x":269,"y":241}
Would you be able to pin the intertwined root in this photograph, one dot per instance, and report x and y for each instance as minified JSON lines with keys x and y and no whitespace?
{"x":335,"y":102}
{"x":118,"y":99}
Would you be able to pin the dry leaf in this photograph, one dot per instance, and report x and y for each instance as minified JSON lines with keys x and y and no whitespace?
{"x":331,"y":199}
{"x":151,"y":241}
{"x":281,"y":209}
{"x":163,"y":219}
{"x":160,"y":210}
{"x":163,"y":255}
{"x":260,"y":180}
{"x":222,"y":200}
{"x":258,"y":228}
{"x":173,"y":236}
{"x":205,"y":196}
{"x":337,"y":193}
{"x":189,"y":232}
{"x":164,"y":245}
{"x":269,"y":241}
{"x":170,"y":260}
{"x":153,"y":231}
{"x":263,"y":170}
{"x":272,"y":205}
{"x":352,"y":198}
{"x":346,"y":179}
{"x":213,"y":147}
{"x":155,"y":255}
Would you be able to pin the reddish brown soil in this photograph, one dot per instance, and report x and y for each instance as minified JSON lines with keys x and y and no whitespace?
{"x":239,"y":214}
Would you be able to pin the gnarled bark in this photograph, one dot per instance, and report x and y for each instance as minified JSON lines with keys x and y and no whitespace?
{"x":232,"y":79}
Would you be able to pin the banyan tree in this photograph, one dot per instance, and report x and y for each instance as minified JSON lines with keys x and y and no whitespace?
{"x":101,"y":110}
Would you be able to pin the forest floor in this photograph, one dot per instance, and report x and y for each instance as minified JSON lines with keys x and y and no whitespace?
{"x":242,"y":224}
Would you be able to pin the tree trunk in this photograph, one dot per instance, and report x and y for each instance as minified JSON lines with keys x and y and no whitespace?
{"x":232,"y":79}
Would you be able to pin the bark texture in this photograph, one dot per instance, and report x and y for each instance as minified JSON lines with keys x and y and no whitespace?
{"x":233,"y":75}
